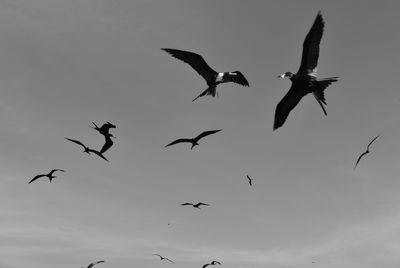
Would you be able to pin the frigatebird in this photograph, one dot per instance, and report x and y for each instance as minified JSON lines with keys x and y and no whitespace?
{"x":195,"y":205}
{"x":49,"y":175}
{"x":94,"y":263}
{"x":305,"y":80}
{"x":250,"y":180}
{"x":366,"y":152}
{"x":212,"y":77}
{"x":87,"y":149}
{"x":195,"y":140}
{"x":163,"y":258}
{"x":211,"y":263}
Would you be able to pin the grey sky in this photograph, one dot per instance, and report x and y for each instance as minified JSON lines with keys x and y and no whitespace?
{"x":64,"y":64}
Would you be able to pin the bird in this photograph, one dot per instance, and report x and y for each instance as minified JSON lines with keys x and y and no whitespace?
{"x":250,"y":180}
{"x":366,"y":152}
{"x":305,"y":80}
{"x":87,"y":149}
{"x":195,"y":205}
{"x":163,"y":258}
{"x":49,"y":175}
{"x":104,"y":129}
{"x":94,"y":263}
{"x":211,"y":263}
{"x":212,"y":77}
{"x":195,"y":140}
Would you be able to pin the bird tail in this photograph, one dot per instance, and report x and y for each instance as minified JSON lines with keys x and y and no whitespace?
{"x":318,"y":90}
{"x":211,"y":90}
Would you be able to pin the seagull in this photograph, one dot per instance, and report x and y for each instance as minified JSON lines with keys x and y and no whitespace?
{"x":250,"y":180}
{"x":87,"y":149}
{"x":212,"y":77}
{"x":211,"y":263}
{"x":366,"y":152}
{"x":195,"y":205}
{"x":163,"y":258}
{"x":49,"y":175}
{"x":195,"y":140}
{"x":94,"y":263}
{"x":305,"y":80}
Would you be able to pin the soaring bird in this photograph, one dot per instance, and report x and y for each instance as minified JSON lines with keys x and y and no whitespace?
{"x":49,"y":175}
{"x":211,"y":263}
{"x":250,"y":180}
{"x":163,"y":258}
{"x":212,"y":77}
{"x":195,"y":205}
{"x":195,"y":140}
{"x":94,"y":263}
{"x":87,"y":149}
{"x":305,"y":80}
{"x":366,"y":152}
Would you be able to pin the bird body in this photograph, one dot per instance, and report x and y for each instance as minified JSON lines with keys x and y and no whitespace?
{"x":49,"y":175}
{"x":212,"y":77}
{"x":250,"y":180}
{"x":211,"y":263}
{"x":305,"y":81}
{"x":366,"y":151}
{"x":194,"y":141}
{"x":195,"y":205}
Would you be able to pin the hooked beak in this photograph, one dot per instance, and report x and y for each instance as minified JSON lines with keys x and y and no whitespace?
{"x":281,"y":76}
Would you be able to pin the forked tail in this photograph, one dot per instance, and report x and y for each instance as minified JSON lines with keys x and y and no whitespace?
{"x":318,"y":90}
{"x":211,"y":90}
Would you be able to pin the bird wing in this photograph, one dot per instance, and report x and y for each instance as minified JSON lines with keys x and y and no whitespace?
{"x":107,"y":144}
{"x":309,"y":58}
{"x":169,"y":260}
{"x":215,"y":262}
{"x":179,"y":141}
{"x":236,"y":77}
{"x":359,"y":158}
{"x":94,"y":263}
{"x":56,"y":169}
{"x":206,"y":133}
{"x":37,"y":177}
{"x":77,"y":142}
{"x":249,"y":180}
{"x":205,"y":265}
{"x":204,"y":204}
{"x":98,"y":153}
{"x":195,"y":61}
{"x":187,"y":204}
{"x":289,"y":101}
{"x":372,"y":141}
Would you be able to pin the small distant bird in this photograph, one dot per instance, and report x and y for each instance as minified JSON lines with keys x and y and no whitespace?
{"x":163,"y":258}
{"x":195,"y":140}
{"x":87,"y":149}
{"x":366,"y":152}
{"x":195,"y":205}
{"x":211,"y":263}
{"x":212,"y":77}
{"x":305,"y":80}
{"x":49,"y":175}
{"x":250,"y":180}
{"x":94,"y":263}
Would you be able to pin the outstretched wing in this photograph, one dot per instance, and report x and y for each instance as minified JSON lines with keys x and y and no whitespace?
{"x":107,"y":144}
{"x":203,"y":204}
{"x":205,"y":265}
{"x":206,"y":133}
{"x":98,"y":153}
{"x":372,"y":141}
{"x":94,"y":263}
{"x":36,"y":177}
{"x":77,"y":142}
{"x":359,"y":158}
{"x":215,"y":262}
{"x":187,"y":204}
{"x":236,"y":77}
{"x":168,"y":260}
{"x":179,"y":141}
{"x":309,"y":58}
{"x":250,"y":180}
{"x":195,"y":61}
{"x":56,"y":169}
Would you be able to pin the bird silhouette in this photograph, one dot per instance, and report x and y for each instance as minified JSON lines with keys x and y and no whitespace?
{"x":305,"y":80}
{"x":94,"y":263}
{"x":195,"y":140}
{"x":163,"y":258}
{"x":195,"y":205}
{"x":211,"y":263}
{"x":212,"y":77}
{"x":49,"y":175}
{"x":250,"y":180}
{"x":366,"y":152}
{"x":87,"y":149}
{"x":104,"y":129}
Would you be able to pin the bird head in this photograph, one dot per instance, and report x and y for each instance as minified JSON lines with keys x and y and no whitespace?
{"x":234,"y":73}
{"x":287,"y":74}
{"x":110,"y":125}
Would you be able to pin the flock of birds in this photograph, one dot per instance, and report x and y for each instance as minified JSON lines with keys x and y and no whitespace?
{"x":305,"y":81}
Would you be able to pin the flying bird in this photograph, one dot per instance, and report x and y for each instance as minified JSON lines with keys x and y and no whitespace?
{"x":163,"y":258}
{"x":94,"y":263}
{"x":212,"y":77}
{"x":87,"y":149}
{"x":305,"y":80}
{"x":195,"y":140}
{"x":250,"y":180}
{"x":195,"y":205}
{"x":366,"y":152}
{"x":49,"y":175}
{"x":211,"y":263}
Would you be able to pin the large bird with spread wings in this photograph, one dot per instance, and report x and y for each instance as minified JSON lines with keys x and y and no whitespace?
{"x":49,"y":175}
{"x":194,"y":141}
{"x":305,"y":80}
{"x":212,"y":77}
{"x":366,"y":151}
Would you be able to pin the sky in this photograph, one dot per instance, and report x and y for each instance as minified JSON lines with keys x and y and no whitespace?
{"x":65,"y":64}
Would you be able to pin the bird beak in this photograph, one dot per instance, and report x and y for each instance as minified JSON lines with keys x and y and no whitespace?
{"x":281,"y":76}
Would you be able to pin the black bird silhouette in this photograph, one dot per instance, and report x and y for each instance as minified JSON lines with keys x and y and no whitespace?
{"x":250,"y":180}
{"x":305,"y":80}
{"x":104,"y":129}
{"x":94,"y":263}
{"x":366,"y":152}
{"x":195,"y":205}
{"x":211,"y":263}
{"x":212,"y":77}
{"x":195,"y":140}
{"x":163,"y":258}
{"x":49,"y":175}
{"x":87,"y":149}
